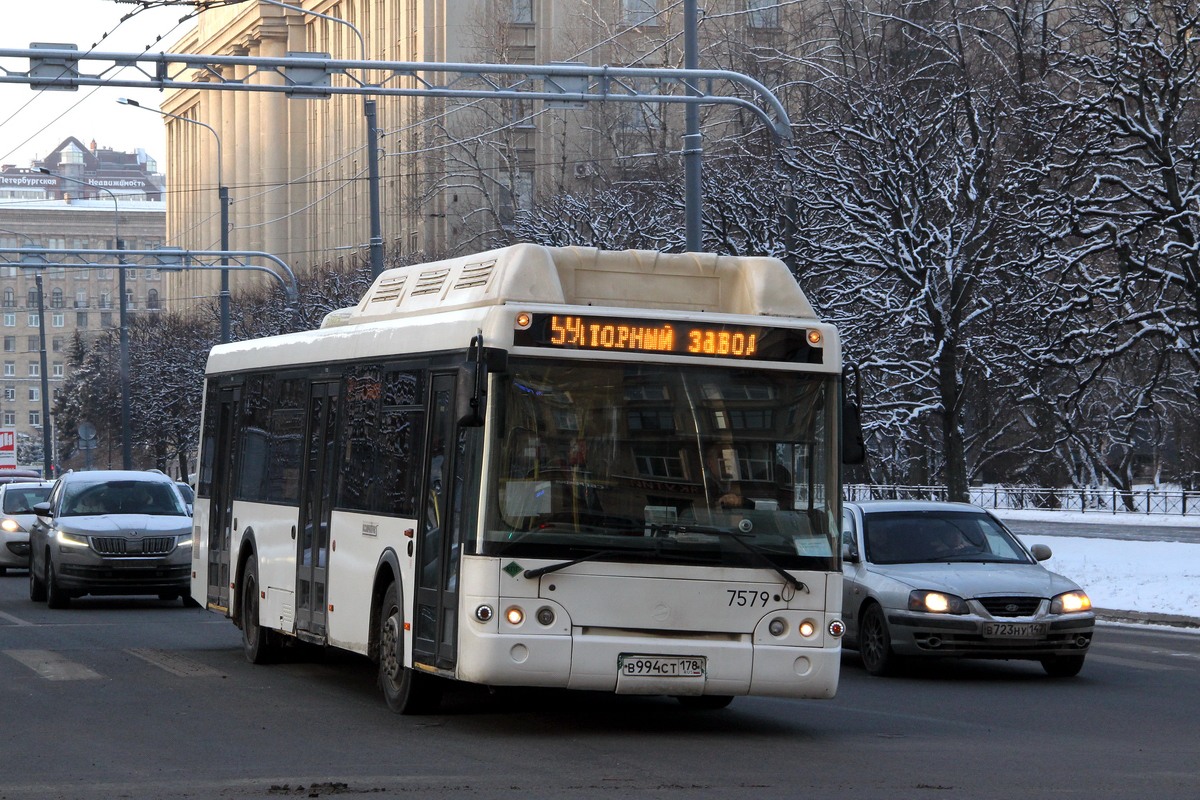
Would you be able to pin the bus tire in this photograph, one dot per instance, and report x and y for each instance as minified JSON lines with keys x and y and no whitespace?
{"x":405,"y":690}
{"x":258,"y":643}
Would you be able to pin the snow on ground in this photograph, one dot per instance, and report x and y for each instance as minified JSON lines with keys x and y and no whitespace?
{"x":1148,"y":577}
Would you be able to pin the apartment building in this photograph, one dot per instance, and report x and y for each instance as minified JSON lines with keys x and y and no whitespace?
{"x":452,"y":171}
{"x":40,"y":210}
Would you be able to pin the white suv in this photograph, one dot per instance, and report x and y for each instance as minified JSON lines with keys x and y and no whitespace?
{"x":110,"y":532}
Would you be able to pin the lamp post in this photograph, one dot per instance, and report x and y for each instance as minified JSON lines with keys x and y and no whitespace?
{"x":223,"y":197}
{"x":123,"y":306}
{"x":376,"y":243}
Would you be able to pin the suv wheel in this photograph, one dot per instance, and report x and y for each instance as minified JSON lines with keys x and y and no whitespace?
{"x":55,"y":596}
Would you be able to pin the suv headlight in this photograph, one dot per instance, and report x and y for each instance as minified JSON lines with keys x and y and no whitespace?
{"x":71,"y":539}
{"x":936,"y":602}
{"x":1070,"y":602}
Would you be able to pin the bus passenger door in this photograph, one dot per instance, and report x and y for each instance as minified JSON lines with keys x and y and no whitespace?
{"x":316,"y":503}
{"x":436,"y":625}
{"x":220,"y":510}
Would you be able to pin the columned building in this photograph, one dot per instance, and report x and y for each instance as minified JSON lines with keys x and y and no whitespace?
{"x":452,"y":171}
{"x":40,"y":210}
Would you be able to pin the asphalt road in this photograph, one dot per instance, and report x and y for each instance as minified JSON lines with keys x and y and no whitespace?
{"x":1148,"y":532}
{"x":137,"y":698}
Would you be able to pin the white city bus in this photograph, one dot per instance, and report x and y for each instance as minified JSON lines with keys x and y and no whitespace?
{"x":554,"y":467}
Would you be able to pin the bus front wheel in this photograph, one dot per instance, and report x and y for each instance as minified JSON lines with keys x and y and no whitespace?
{"x":405,"y":690}
{"x":258,"y":643}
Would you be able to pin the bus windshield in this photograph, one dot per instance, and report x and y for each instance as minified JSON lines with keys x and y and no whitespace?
{"x":664,"y":463}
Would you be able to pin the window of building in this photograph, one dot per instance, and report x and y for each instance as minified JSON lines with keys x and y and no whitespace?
{"x":10,"y":344}
{"x":33,"y":344}
{"x":56,"y":369}
{"x":31,"y":299}
{"x":522,"y":12}
{"x":105,"y":300}
{"x":130,"y":302}
{"x":81,"y":319}
{"x":35,"y":418}
{"x":56,"y":344}
{"x":56,"y":298}
{"x":35,"y":393}
{"x":9,"y":272}
{"x":59,"y":320}
{"x":639,"y":12}
{"x":81,"y":298}
{"x":35,"y":369}
{"x":10,"y":369}
{"x":10,"y":418}
{"x":10,"y":393}
{"x":10,"y":297}
{"x":106,"y":320}
{"x":33,"y":320}
{"x":763,"y":13}
{"x":152,"y":299}
{"x":10,"y":320}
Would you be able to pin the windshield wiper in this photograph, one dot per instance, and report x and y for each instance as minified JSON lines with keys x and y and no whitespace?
{"x":540,"y":571}
{"x":736,"y":536}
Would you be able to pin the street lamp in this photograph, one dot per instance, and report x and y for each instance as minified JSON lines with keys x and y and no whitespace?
{"x":223,"y":197}
{"x":126,"y":433}
{"x":376,"y":244}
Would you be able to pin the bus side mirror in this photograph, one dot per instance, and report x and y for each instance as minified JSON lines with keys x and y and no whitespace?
{"x":472,"y":380}
{"x":854,"y":452}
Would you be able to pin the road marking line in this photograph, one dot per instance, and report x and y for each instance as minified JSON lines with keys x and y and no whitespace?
{"x":52,"y":666}
{"x":14,"y":620}
{"x":175,"y":664}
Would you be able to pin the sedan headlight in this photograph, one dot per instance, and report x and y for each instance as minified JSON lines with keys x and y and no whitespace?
{"x":71,"y":539}
{"x":11,"y":525}
{"x":936,"y":602}
{"x":1070,"y":602}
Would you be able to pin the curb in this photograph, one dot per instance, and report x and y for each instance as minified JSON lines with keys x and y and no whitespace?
{"x":1143,"y":618}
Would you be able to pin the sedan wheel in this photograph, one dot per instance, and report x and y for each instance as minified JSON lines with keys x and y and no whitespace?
{"x":1062,"y":666}
{"x":875,"y":643}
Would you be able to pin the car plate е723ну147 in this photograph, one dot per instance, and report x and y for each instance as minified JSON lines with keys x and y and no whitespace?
{"x":1014,"y":630}
{"x":661,"y":666}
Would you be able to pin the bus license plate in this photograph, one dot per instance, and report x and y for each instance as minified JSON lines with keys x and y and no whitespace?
{"x":662,"y":666}
{"x":1014,"y":630}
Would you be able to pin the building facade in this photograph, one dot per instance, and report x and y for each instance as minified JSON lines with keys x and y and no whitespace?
{"x":40,"y":210}
{"x":452,"y":171}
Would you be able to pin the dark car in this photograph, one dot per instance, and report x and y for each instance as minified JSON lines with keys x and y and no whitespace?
{"x":948,"y":580}
{"x":110,"y":532}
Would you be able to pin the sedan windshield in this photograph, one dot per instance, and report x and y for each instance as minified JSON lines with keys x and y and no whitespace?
{"x":21,"y":499}
{"x":918,"y":537}
{"x":121,"y":497}
{"x":614,"y":461}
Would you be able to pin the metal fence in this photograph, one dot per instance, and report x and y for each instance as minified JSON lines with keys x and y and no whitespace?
{"x":1090,"y":500}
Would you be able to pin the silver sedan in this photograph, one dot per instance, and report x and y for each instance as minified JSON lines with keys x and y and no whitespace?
{"x":949,"y":580}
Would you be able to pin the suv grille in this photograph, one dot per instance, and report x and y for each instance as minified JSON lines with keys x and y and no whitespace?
{"x":120,"y":546}
{"x":1011,"y":606}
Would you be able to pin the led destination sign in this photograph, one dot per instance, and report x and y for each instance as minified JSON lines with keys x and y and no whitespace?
{"x":674,"y":337}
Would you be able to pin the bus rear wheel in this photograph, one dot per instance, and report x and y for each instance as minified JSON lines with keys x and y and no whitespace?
{"x":405,"y":690}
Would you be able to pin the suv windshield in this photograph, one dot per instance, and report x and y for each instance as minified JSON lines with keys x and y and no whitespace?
{"x":662,"y":463}
{"x":121,"y":497}
{"x":918,"y":537}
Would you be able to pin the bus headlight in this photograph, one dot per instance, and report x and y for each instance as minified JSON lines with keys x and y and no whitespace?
{"x":514,"y":615}
{"x":807,"y":628}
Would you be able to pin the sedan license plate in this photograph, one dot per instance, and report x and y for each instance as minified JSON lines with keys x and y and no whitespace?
{"x":661,"y":666}
{"x":1014,"y":630}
